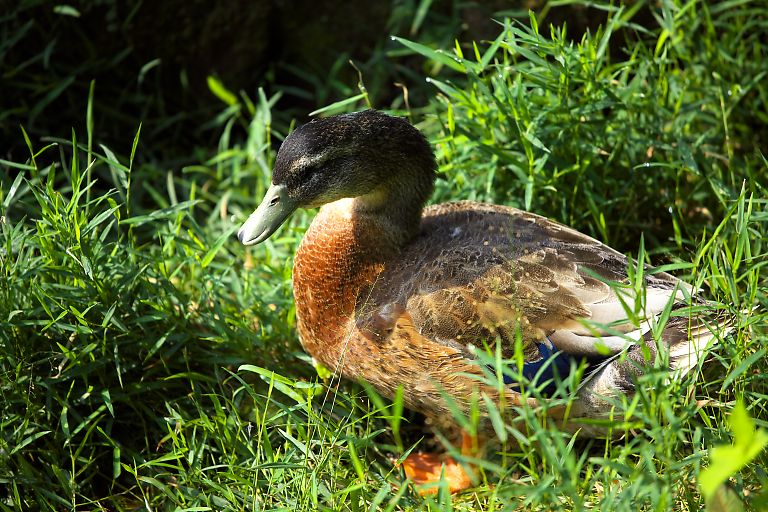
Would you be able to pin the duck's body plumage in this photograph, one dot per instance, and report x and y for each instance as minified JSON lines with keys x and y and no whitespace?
{"x":473,"y":274}
{"x":401,"y":295}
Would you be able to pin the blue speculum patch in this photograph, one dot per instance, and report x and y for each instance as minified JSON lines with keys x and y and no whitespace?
{"x":545,"y":373}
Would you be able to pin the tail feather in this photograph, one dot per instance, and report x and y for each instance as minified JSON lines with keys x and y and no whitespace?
{"x":688,"y":339}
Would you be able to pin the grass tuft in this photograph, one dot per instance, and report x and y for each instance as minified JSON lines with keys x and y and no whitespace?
{"x":149,"y":361}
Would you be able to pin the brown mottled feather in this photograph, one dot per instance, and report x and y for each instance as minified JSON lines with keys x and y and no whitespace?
{"x":479,"y":272}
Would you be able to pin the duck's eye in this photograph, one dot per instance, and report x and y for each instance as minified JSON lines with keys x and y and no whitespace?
{"x":307,"y":171}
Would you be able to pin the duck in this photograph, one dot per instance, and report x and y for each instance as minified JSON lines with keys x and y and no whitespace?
{"x":399,"y":294}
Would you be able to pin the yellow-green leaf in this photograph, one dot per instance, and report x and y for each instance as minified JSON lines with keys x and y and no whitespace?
{"x":725,"y":461}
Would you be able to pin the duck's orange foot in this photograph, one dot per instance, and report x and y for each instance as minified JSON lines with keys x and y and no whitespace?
{"x":425,"y":471}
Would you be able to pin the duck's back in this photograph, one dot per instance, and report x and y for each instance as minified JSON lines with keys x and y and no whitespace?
{"x":479,"y":272}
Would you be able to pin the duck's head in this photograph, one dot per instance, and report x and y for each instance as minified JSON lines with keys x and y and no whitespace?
{"x":350,"y":155}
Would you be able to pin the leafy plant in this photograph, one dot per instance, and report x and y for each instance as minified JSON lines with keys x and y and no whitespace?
{"x":748,"y":443}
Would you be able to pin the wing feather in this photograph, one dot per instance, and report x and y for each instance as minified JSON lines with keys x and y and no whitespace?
{"x":478,"y":273}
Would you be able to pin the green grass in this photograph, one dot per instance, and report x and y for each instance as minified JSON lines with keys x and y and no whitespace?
{"x":148,"y":361}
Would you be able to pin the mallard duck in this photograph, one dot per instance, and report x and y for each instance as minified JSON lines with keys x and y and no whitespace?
{"x":399,"y":294}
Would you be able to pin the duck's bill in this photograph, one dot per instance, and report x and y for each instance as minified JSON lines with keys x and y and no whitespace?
{"x":271,"y":213}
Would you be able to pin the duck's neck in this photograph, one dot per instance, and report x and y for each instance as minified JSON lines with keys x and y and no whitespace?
{"x":345,"y":248}
{"x":394,"y":209}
